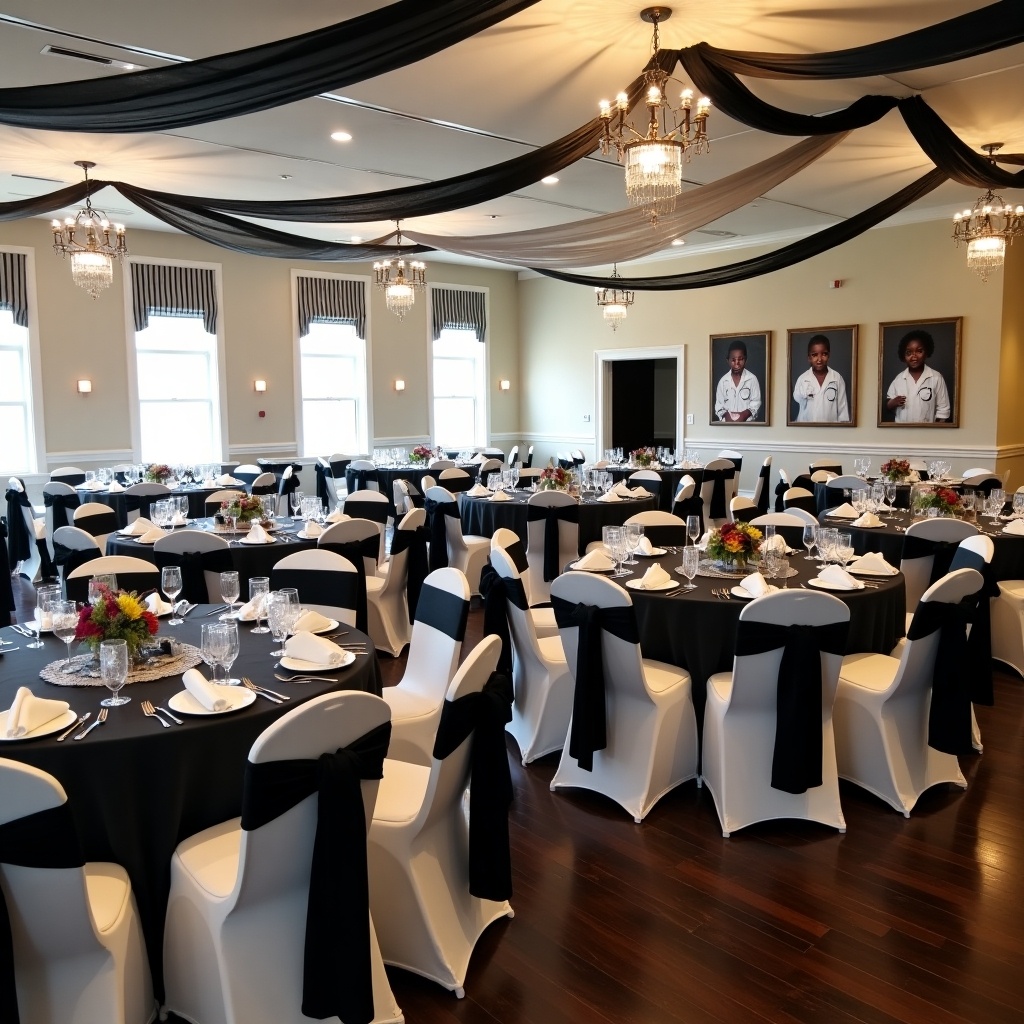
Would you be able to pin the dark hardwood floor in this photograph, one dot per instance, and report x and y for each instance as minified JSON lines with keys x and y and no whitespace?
{"x":913,"y":920}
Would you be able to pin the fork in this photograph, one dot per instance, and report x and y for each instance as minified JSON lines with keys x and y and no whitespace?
{"x":274,"y":698}
{"x":305,"y":679}
{"x":150,"y":712}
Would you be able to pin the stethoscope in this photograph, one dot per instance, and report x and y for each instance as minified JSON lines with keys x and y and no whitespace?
{"x":831,"y":393}
{"x":925,"y":394}
{"x":744,"y":392}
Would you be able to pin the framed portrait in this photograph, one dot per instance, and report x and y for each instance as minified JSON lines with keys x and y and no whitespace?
{"x":919,"y":373}
{"x":822,"y":375}
{"x":740,"y":378}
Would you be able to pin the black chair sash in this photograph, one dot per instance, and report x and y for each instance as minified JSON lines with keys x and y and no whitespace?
{"x":323,"y":494}
{"x":437,"y":511}
{"x":99,"y":524}
{"x":743,"y":515}
{"x":942,"y":552}
{"x":979,"y":643}
{"x":444,"y":611}
{"x":61,"y":504}
{"x":517,"y":553}
{"x":803,"y":480}
{"x":71,"y":479}
{"x":374,"y":511}
{"x":484,"y":716}
{"x":19,"y":543}
{"x":665,"y":535}
{"x":6,"y":589}
{"x":806,"y":502}
{"x":780,"y":489}
{"x":357,"y":551}
{"x":796,"y":761}
{"x":139,"y":582}
{"x":71,"y":558}
{"x":321,"y":586}
{"x":261,"y":489}
{"x":987,"y":485}
{"x":415,"y":542}
{"x":764,"y":477}
{"x":194,"y":566}
{"x":528,"y":461}
{"x":457,"y":484}
{"x":337,"y":977}
{"x":692,"y":506}
{"x":718,"y":478}
{"x":142,"y":503}
{"x":589,"y":731}
{"x":46,"y":839}
{"x":496,"y":592}
{"x":552,"y":516}
{"x":358,"y":479}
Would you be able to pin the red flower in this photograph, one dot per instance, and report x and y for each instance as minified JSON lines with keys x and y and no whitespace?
{"x":151,"y":622}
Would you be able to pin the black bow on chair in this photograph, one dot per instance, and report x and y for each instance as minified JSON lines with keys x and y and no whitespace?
{"x":765,"y":482}
{"x":484,"y":716}
{"x":357,"y":551}
{"x":6,"y":590}
{"x":589,"y":730}
{"x":61,"y":505}
{"x":942,"y":552}
{"x":718,"y":477}
{"x":337,"y":978}
{"x":692,"y":506}
{"x":46,"y":839}
{"x":979,"y":642}
{"x":796,"y":761}
{"x":437,"y":511}
{"x":359,"y":479}
{"x":552,"y":516}
{"x":496,"y":592}
{"x":99,"y":524}
{"x":19,"y":543}
{"x":322,"y":586}
{"x":71,"y":558}
{"x":415,"y":542}
{"x":780,"y":489}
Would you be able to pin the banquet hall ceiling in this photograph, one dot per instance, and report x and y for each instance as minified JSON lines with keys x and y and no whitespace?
{"x":511,"y":88}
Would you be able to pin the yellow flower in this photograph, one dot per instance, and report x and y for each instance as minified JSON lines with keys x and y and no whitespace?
{"x":129,"y":605}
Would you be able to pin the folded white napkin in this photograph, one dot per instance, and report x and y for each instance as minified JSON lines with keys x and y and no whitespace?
{"x":180,"y":519}
{"x":602,"y":464}
{"x":595,"y":561}
{"x":91,"y":485}
{"x":338,"y":517}
{"x":500,"y":496}
{"x":257,"y":535}
{"x":868,"y":519}
{"x":873,"y":561}
{"x":654,"y":578}
{"x":838,"y":577}
{"x":247,"y":613}
{"x":610,"y":496}
{"x":311,"y":622}
{"x":1016,"y":527}
{"x":478,"y":491}
{"x":157,"y":605}
{"x":309,"y":647}
{"x":29,"y":712}
{"x":644,"y":547}
{"x":225,"y":480}
{"x":312,"y":529}
{"x":138,"y":528}
{"x":153,"y":535}
{"x":844,"y":511}
{"x":479,"y":457}
{"x":756,"y":585}
{"x":208,"y":694}
{"x":115,"y":487}
{"x":776,"y":543}
{"x":622,"y":490}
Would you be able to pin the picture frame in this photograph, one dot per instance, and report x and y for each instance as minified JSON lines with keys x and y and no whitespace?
{"x":933,"y":400}
{"x":730,"y":402}
{"x":830,"y":401}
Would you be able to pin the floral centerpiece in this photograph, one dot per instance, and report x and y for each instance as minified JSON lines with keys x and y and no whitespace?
{"x":158,"y":473}
{"x":244,"y":510}
{"x":942,"y":498}
{"x":421,"y":453}
{"x":116,"y":615}
{"x":643,"y":457}
{"x":896,"y":470}
{"x":554,"y":478}
{"x":734,"y":544}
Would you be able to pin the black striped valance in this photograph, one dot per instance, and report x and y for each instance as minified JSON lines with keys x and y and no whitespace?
{"x":331,"y":300}
{"x":166,"y":289}
{"x":13,"y":287}
{"x":456,"y":309}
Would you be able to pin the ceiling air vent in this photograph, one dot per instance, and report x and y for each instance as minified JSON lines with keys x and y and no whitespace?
{"x":717,"y":234}
{"x":91,"y":58}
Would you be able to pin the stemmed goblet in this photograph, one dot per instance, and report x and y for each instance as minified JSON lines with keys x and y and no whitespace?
{"x":114,"y":670}
{"x":171,"y":585}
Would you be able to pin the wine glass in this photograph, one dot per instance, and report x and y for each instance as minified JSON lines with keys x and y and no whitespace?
{"x":890,"y":497}
{"x":114,"y":670}
{"x":782,"y":569}
{"x":171,"y":585}
{"x":634,"y":531}
{"x":259,"y":587}
{"x":229,"y":592}
{"x":230,"y":652}
{"x":45,"y":596}
{"x":769,"y":536}
{"x":295,"y":503}
{"x":65,"y":624}
{"x":691,"y":560}
{"x":693,"y":528}
{"x":844,"y":549}
{"x":213,"y":646}
{"x":279,"y":617}
{"x":1018,"y":502}
{"x":613,"y":539}
{"x":810,"y":539}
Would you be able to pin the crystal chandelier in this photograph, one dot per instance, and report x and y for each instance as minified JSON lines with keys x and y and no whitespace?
{"x":399,"y":289}
{"x":613,"y":302}
{"x":654,"y":155}
{"x":86,"y":238}
{"x":989,"y":227}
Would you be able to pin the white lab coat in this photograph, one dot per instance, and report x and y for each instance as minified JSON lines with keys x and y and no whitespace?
{"x":927,"y":398}
{"x":824,"y":404}
{"x":731,"y":397}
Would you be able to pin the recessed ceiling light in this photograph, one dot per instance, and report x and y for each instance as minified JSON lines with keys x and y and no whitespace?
{"x":341,"y":136}
{"x":678,"y":241}
{"x":549,"y":180}
{"x":285,"y":177}
{"x":492,"y":216}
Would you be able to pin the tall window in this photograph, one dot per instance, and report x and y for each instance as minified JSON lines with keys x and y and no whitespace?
{"x":176,"y":357}
{"x":459,"y":325}
{"x":18,"y":452}
{"x":331,"y":355}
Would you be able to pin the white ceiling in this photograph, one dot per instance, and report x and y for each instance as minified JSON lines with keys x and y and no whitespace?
{"x":516,"y":86}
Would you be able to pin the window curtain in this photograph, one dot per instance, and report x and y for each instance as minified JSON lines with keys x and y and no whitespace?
{"x":166,"y":289}
{"x":13,"y":286}
{"x":455,"y":309}
{"x":329,"y":300}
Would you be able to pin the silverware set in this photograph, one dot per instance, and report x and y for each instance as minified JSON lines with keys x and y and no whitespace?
{"x":305,"y":679}
{"x":723,"y":593}
{"x":100,"y":719}
{"x":272,"y":695}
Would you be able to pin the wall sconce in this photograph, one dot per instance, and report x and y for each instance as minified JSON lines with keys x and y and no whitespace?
{"x":259,"y":385}
{"x":85,"y":387}
{"x":505,"y":385}
{"x":399,"y":384}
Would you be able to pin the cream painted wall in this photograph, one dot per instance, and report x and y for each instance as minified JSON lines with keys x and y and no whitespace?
{"x":904,"y":273}
{"x":1010,"y":433}
{"x":83,"y":337}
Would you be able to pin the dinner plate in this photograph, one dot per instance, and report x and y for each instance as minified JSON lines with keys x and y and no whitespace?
{"x":825,"y":585}
{"x":871,"y":572}
{"x":744,"y":595}
{"x":298,"y":665}
{"x":655,"y":553}
{"x":853,"y":523}
{"x":56,"y":725}
{"x":576,"y":566}
{"x":258,"y":543}
{"x":186,"y":704}
{"x":668,"y":585}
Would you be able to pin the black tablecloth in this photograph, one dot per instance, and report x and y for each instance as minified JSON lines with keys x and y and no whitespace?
{"x":481,"y":516}
{"x":196,"y":500}
{"x":136,"y":790}
{"x":669,"y":482}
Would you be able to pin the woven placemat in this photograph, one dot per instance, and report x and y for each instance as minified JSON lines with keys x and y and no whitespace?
{"x":84,"y":673}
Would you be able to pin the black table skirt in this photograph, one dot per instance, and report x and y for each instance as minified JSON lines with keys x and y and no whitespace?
{"x":387,"y":475}
{"x":196,"y":500}
{"x":481,"y":516}
{"x":669,"y":482}
{"x":136,"y":789}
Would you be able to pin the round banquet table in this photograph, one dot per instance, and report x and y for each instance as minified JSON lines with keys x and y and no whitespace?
{"x":248,"y":559}
{"x":669,"y":481}
{"x":481,"y":516}
{"x":137,"y":790}
{"x":414,"y":473}
{"x":1007,"y":561}
{"x":195,"y":493}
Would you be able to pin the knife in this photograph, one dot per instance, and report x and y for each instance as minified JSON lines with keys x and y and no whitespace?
{"x":82,"y":719}
{"x":88,"y":729}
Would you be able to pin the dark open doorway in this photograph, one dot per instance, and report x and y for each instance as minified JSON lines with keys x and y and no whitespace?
{"x":643,"y":406}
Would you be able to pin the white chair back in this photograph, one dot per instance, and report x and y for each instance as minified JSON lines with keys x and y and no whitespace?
{"x":568,"y":542}
{"x":707,"y":489}
{"x":351,"y":531}
{"x":761,"y":488}
{"x":513,"y":455}
{"x":132,"y":574}
{"x":213,"y":501}
{"x":917,"y":571}
{"x":338,"y":581}
{"x":68,"y":475}
{"x":489,"y":466}
{"x":98,"y":519}
{"x":183,"y":542}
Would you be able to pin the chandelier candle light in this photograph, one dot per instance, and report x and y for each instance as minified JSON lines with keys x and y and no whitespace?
{"x":613,"y":302}
{"x":400,"y":290}
{"x":86,"y":238}
{"x":654,"y":156}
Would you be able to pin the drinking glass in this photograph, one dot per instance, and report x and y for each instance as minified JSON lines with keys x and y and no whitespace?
{"x":693,"y":528}
{"x":170,"y":584}
{"x":859,"y":501}
{"x":45,"y":597}
{"x":615,"y":542}
{"x":1018,"y":502}
{"x":844,"y":549}
{"x":606,"y":536}
{"x":998,"y":496}
{"x":114,"y":670}
{"x":278,"y":614}
{"x":97,"y":582}
{"x":65,"y":624}
{"x":890,"y":497}
{"x":90,"y":476}
{"x":213,"y":647}
{"x":229,"y":593}
{"x":259,"y":587}
{"x":230,"y":652}
{"x":182,"y":500}
{"x":810,"y":539}
{"x":634,"y":531}
{"x":269,"y":506}
{"x":769,"y":535}
{"x":295,"y":503}
{"x":782,"y":569}
{"x":691,"y":560}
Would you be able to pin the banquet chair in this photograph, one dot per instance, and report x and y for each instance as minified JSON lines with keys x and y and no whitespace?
{"x":822,"y":476}
{"x":457,"y":480}
{"x":881,"y":714}
{"x":428,"y":920}
{"x":687,"y":502}
{"x":248,"y":474}
{"x":265,"y":483}
{"x":71,"y":475}
{"x":335,"y":478}
{"x":828,"y":465}
{"x":742,"y":509}
{"x":799,"y":497}
{"x":401,"y":497}
{"x":541,"y":679}
{"x":58,"y":499}
{"x":528,"y":476}
{"x":977,"y":471}
{"x":716,"y":490}
{"x":326,"y":582}
{"x":839,"y":489}
{"x":781,"y":487}
{"x":509,"y":542}
{"x":439,"y":465}
{"x":96,"y":519}
{"x":662,"y":529}
{"x":32,"y":532}
{"x":651,"y":730}
{"x":354,"y":532}
{"x":73,"y":547}
{"x":750,"y":736}
{"x":491,"y":465}
{"x":928,"y":547}
{"x":372,"y":505}
{"x":365,"y":465}
{"x":983,"y":482}
{"x":762,"y":489}
{"x":736,"y":458}
{"x":528,"y":462}
{"x":789,"y":524}
{"x":213,"y":501}
{"x":538,"y":572}
{"x":78,"y":951}
{"x":139,"y":498}
{"x":242,"y":892}
{"x":466,"y":552}
{"x":648,"y":479}
{"x":427,"y":481}
{"x":193,"y":549}
{"x":438,"y":630}
{"x":286,"y":486}
{"x":513,"y":456}
{"x":134,"y":574}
